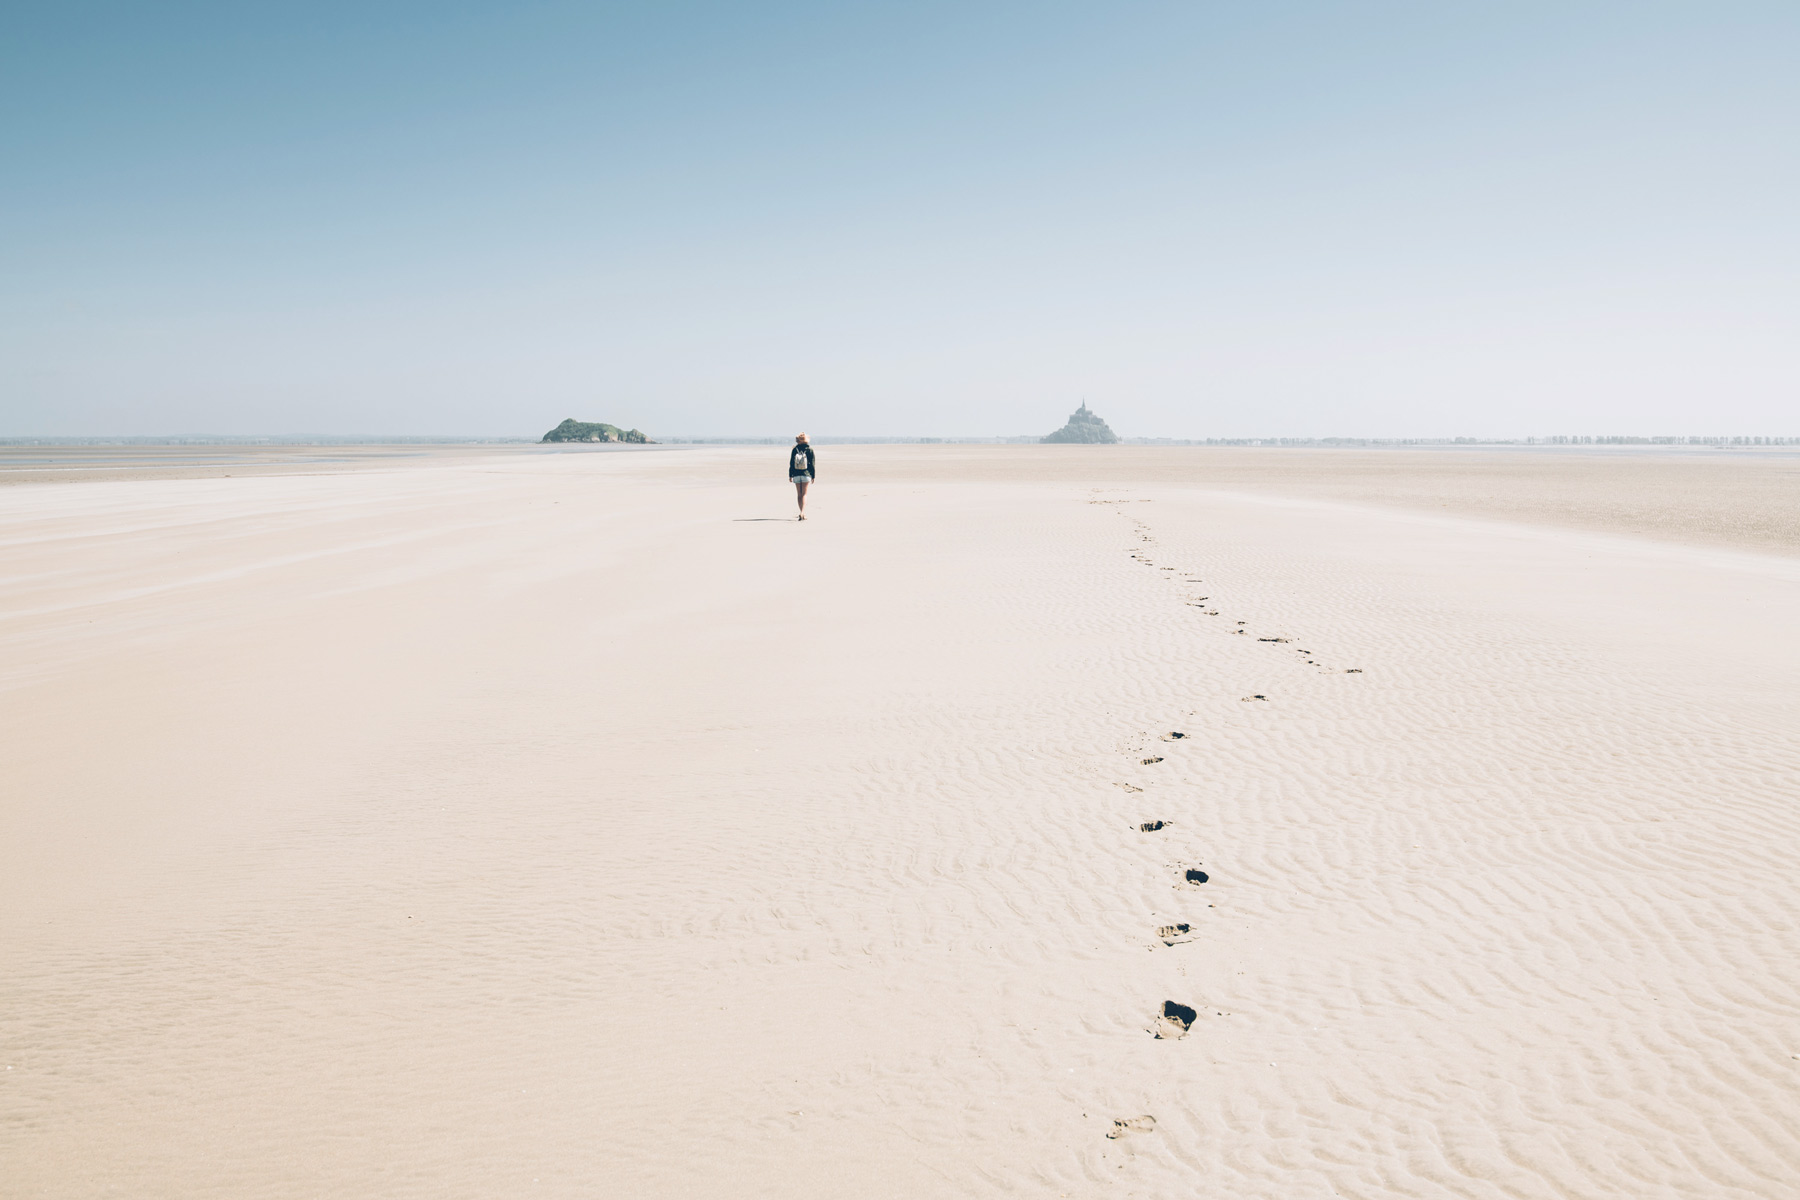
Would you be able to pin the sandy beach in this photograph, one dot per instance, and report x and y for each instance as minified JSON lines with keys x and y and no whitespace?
{"x":1036,"y":821}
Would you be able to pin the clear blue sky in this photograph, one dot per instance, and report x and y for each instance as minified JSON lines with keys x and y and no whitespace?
{"x":1208,"y":219}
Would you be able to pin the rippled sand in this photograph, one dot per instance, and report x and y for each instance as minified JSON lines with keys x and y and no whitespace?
{"x":567,"y":825}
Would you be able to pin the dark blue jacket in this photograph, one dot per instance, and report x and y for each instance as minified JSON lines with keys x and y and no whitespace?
{"x":795,"y":452}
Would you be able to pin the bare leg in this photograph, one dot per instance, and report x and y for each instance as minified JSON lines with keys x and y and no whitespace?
{"x":800,"y":496}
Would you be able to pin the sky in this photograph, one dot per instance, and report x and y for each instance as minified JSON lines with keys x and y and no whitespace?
{"x":1205,"y":219}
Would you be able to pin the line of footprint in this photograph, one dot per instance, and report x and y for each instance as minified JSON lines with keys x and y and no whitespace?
{"x":1176,"y":1018}
{"x":1144,"y":537}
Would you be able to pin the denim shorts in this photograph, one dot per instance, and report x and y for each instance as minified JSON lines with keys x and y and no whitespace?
{"x":799,"y":478}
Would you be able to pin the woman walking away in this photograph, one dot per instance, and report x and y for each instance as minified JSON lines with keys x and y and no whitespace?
{"x":800,"y":469}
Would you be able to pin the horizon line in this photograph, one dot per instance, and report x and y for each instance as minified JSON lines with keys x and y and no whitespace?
{"x":361,"y":439}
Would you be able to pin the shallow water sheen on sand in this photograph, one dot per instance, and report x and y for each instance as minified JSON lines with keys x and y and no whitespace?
{"x":574,"y":826}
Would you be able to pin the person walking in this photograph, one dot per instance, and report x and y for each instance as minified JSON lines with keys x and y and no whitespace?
{"x":802,"y":465}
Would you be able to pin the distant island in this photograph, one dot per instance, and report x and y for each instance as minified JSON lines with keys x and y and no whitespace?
{"x":572,"y":430}
{"x":1083,"y":426}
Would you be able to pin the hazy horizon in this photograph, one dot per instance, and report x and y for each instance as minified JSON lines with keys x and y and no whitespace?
{"x":1547,"y":441}
{"x":1317,"y":220}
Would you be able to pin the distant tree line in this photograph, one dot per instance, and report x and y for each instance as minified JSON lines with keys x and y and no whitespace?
{"x":1582,"y":440}
{"x":1663,"y":441}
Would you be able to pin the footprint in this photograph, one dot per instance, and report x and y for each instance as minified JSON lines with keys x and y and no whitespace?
{"x":1353,"y":671}
{"x":1195,"y":875}
{"x":1175,"y":1021}
{"x":1151,"y":826}
{"x":1151,"y":761}
{"x":1143,"y":1124}
{"x":1258,"y":696}
{"x":1173,"y":736}
{"x":1274,"y":639}
{"x":1170,"y":934}
{"x":1130,"y":788}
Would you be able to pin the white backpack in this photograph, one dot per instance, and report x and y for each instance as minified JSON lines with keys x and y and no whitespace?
{"x":800,"y":459}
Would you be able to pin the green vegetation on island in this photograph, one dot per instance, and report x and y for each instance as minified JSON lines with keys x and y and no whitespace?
{"x":572,"y":430}
{"x":1083,"y":426}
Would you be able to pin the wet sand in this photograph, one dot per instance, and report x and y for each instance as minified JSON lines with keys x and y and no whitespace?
{"x":1748,"y":498}
{"x":573,"y":824}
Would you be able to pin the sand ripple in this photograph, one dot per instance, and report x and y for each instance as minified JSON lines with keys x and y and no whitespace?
{"x":544,"y":829}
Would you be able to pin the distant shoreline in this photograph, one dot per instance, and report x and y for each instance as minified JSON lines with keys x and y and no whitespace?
{"x":1551,"y":442}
